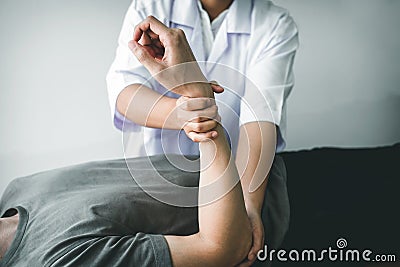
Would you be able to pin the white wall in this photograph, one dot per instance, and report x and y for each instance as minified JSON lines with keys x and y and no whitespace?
{"x":347,"y":90}
{"x":55,"y":54}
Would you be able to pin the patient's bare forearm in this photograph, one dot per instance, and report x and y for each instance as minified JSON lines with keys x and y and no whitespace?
{"x":222,"y":216}
{"x":224,"y":237}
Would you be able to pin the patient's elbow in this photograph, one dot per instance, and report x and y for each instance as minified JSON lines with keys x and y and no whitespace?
{"x":230,"y":251}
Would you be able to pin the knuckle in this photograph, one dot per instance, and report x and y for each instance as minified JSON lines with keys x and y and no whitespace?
{"x":179,"y":32}
{"x":198,"y":128}
{"x":196,"y":120}
{"x":150,"y":18}
{"x":170,"y":38}
{"x":175,"y":35}
{"x":171,"y":34}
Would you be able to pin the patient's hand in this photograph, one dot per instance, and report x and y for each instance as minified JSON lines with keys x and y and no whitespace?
{"x":167,"y":55}
{"x":198,"y":117}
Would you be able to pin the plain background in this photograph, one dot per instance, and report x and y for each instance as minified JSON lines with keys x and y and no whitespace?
{"x":55,"y":55}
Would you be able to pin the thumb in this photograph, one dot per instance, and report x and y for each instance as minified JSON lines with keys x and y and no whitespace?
{"x":216,"y":87}
{"x":144,"y":57}
{"x":181,"y":100}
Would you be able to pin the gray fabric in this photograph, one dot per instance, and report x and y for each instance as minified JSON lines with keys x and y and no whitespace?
{"x":95,"y":214}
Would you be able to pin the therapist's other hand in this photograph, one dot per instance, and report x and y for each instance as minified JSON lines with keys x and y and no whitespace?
{"x":258,"y":236}
{"x":166,"y":54}
{"x":198,"y":117}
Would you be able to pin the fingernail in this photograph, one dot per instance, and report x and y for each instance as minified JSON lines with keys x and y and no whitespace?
{"x":214,"y":134}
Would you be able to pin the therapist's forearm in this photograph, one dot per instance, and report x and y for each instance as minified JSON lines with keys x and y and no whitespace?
{"x":145,"y":107}
{"x":254,"y":158}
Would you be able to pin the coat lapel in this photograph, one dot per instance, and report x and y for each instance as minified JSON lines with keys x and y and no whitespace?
{"x":237,"y":21}
{"x":185,"y":15}
{"x":219,"y":47}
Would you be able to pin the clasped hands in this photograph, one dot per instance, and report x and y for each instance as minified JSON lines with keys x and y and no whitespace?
{"x":167,"y":55}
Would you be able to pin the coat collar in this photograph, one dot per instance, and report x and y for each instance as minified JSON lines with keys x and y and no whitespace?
{"x":238,"y":19}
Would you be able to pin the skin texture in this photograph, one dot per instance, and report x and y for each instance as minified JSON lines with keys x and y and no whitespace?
{"x":8,"y":228}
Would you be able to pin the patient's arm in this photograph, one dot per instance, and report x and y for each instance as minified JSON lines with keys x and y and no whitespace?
{"x":224,"y":236}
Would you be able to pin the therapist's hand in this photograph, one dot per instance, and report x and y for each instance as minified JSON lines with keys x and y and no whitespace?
{"x":167,"y":55}
{"x":257,"y":227}
{"x":198,"y":117}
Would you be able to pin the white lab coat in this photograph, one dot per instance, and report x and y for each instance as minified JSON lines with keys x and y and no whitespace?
{"x":251,"y":57}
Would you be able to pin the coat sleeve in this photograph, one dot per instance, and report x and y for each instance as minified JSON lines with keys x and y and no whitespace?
{"x":269,"y":77}
{"x":126,"y":69}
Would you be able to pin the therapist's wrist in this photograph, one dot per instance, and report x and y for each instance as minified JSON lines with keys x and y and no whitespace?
{"x":252,"y":203}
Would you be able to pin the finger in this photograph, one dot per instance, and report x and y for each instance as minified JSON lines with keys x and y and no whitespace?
{"x":158,"y":52}
{"x":152,"y":35}
{"x":250,"y":263}
{"x":201,"y":127}
{"x":143,"y":55}
{"x":257,"y":245}
{"x":150,"y":50}
{"x":145,"y":39}
{"x":251,"y":254}
{"x":155,"y":39}
{"x":181,"y":100}
{"x":217,"y":88}
{"x":152,"y":45}
{"x":150,"y":23}
{"x":199,"y":103}
{"x":210,"y":113}
{"x":201,"y":137}
{"x":246,"y":263}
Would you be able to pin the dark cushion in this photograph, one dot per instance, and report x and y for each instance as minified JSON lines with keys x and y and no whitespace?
{"x":344,"y":193}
